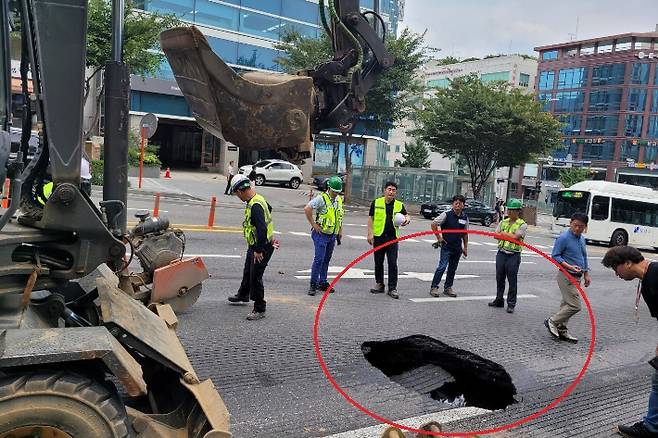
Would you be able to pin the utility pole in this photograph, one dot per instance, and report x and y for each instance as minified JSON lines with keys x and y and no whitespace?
{"x":117,"y":89}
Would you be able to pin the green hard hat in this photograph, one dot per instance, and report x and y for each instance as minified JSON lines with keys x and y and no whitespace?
{"x":335,"y":183}
{"x":514,"y":204}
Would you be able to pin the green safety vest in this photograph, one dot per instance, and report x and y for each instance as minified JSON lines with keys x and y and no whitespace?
{"x":506,"y":227}
{"x":248,"y":229}
{"x":332,"y":220}
{"x":47,"y":190}
{"x":379,"y":220}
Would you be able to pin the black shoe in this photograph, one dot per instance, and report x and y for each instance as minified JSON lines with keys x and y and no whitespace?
{"x":254,"y":316}
{"x":312,"y":289}
{"x":237,"y":299}
{"x":637,"y":430}
{"x":378,"y":289}
{"x":496,"y":303}
{"x":510,"y":309}
{"x":393,"y":293}
{"x":324,"y":286}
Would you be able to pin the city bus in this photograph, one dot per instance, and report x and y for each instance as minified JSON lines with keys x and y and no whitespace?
{"x":619,"y":214}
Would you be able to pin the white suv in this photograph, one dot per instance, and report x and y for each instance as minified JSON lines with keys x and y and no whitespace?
{"x":275,"y":171}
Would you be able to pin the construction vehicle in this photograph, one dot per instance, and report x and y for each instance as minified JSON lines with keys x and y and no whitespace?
{"x":85,"y":349}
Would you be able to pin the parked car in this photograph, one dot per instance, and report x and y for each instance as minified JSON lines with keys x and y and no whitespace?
{"x":320,"y":181}
{"x":477,"y":211}
{"x":275,"y":171}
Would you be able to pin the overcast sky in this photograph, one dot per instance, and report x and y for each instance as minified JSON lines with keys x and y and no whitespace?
{"x":466,"y":28}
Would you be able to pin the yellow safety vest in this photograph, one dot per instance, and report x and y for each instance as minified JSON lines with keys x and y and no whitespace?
{"x":506,"y":227}
{"x":332,"y":220}
{"x":47,"y":190}
{"x":379,"y":220}
{"x":248,"y":229}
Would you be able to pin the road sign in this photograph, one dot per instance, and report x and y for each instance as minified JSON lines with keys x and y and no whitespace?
{"x":149,"y":124}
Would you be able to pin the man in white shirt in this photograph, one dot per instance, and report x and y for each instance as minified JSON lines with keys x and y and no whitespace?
{"x":230,"y":172}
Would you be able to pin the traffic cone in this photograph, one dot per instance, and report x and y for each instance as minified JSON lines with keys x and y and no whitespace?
{"x":167,"y":173}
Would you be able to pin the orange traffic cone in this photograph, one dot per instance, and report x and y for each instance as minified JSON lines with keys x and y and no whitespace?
{"x":5,"y":193}
{"x":167,"y":173}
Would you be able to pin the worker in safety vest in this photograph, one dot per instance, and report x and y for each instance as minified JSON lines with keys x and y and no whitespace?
{"x":386,"y":216}
{"x":258,"y":230}
{"x":325,"y":214}
{"x":508,"y":258}
{"x":46,"y":192}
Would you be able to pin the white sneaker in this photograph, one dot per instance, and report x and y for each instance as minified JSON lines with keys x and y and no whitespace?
{"x":552,"y":328}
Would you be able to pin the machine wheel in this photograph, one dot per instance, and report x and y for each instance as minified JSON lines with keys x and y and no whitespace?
{"x":294,"y":183}
{"x":619,"y":238}
{"x":58,"y":405}
{"x":487,"y":221}
{"x":260,"y":180}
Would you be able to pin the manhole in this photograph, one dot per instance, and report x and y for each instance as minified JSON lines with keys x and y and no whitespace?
{"x":445,"y":373}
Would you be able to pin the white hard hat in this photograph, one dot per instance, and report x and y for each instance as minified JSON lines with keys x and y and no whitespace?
{"x":399,"y":219}
{"x":239,"y":182}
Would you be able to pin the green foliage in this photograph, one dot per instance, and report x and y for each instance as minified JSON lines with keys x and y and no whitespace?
{"x":448,"y":60}
{"x":573,"y":175}
{"x":470,"y":59}
{"x":150,"y":152}
{"x":97,"y":172}
{"x":141,"y":37}
{"x":391,"y":100}
{"x":487,"y":125}
{"x":415,"y":155}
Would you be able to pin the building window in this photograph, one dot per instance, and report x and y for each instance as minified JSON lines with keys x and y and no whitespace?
{"x":546,"y":101}
{"x":633,"y":126}
{"x":601,"y":151}
{"x":269,"y":6}
{"x":216,"y":15}
{"x":605,"y":100}
{"x":546,"y":80}
{"x":604,"y":47}
{"x":259,"y":25}
{"x":572,"y":78}
{"x":637,"y":97}
{"x":654,"y":101}
{"x":602,"y":125}
{"x":497,"y":76}
{"x":303,"y":29}
{"x":225,"y":49}
{"x":643,"y":44}
{"x":257,"y":57}
{"x":609,"y":74}
{"x":640,"y":74}
{"x":588,"y":49}
{"x":623,"y":45}
{"x":569,"y":102}
{"x":549,"y":55}
{"x":630,"y":151}
{"x":653,"y":127}
{"x":397,"y":148}
{"x":571,"y":52}
{"x":650,"y":154}
{"x":524,"y":80}
{"x":571,"y":123}
{"x":300,"y":10}
{"x":183,"y":9}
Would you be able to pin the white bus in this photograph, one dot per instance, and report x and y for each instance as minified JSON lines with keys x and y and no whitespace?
{"x":619,"y":214}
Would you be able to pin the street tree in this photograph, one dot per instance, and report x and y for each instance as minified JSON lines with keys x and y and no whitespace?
{"x":395,"y":95}
{"x":414,"y":155}
{"x":486,"y":126}
{"x":140,"y":43}
{"x":573,"y":175}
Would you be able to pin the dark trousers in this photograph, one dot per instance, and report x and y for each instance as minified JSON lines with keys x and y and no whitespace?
{"x":507,"y":266}
{"x":449,"y":259}
{"x":391,"y":254}
{"x":252,"y":278}
{"x":228,"y":184}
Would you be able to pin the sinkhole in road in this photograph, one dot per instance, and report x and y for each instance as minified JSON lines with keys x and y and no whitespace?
{"x":447,"y":374}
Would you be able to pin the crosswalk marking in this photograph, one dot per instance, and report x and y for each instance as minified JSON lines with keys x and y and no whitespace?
{"x":299,"y":233}
{"x":358,"y":237}
{"x":464,"y":298}
{"x":490,"y":244}
{"x":369,"y":274}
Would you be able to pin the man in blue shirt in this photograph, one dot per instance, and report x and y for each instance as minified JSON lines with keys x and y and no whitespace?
{"x":570,"y":251}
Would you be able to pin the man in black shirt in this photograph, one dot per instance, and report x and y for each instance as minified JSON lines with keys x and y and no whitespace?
{"x":382,"y":228}
{"x":629,"y":264}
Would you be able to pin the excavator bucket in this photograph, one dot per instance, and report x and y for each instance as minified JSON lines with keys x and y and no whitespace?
{"x":253,"y":111}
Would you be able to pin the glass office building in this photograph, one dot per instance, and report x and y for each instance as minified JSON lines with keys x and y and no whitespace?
{"x":605,"y":91}
{"x":243,"y":33}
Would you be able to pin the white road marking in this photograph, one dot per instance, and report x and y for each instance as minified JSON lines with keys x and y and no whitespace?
{"x":277,"y":232}
{"x":147,"y":209}
{"x":542,"y":246}
{"x":356,"y":225}
{"x":442,"y":417}
{"x":475,"y":243}
{"x":466,"y":298}
{"x":490,"y":244}
{"x":215,"y":256}
{"x":299,"y":233}
{"x":523,"y":253}
{"x":369,"y":274}
{"x":357,"y":237}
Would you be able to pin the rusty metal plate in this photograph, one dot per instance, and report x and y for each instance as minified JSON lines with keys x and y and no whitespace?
{"x":265,"y":111}
{"x":136,"y":326}
{"x":25,"y":347}
{"x":213,"y":406}
{"x":177,"y":280}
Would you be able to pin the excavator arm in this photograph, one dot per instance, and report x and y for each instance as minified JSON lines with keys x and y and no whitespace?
{"x":258,"y":110}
